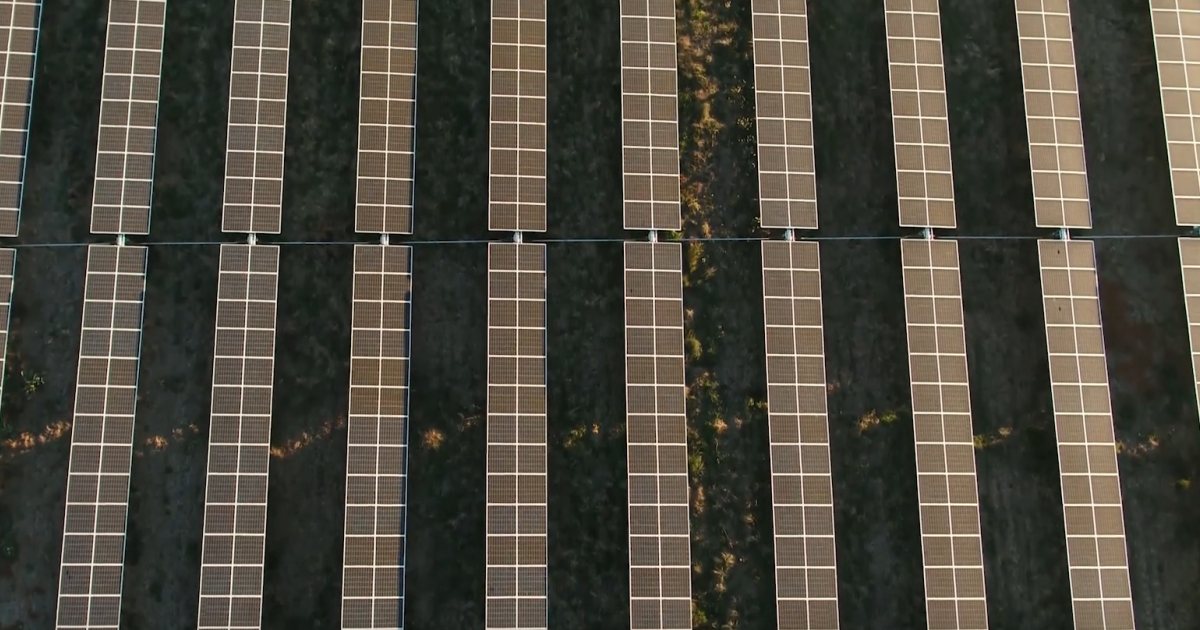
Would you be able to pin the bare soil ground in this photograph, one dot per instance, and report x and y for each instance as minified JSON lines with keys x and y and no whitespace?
{"x":879,"y":555}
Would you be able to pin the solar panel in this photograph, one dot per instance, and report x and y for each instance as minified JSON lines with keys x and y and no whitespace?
{"x":516,"y":436}
{"x":1056,"y":157}
{"x":128,"y":117}
{"x":1189,"y":259}
{"x":257,"y":116}
{"x":235,"y":502}
{"x":924,"y":177}
{"x":660,"y":583}
{"x":387,"y":117}
{"x":517,"y":187}
{"x":8,"y":259}
{"x":787,"y":179}
{"x":93,"y":548}
{"x":649,"y":115}
{"x":1087,"y":453}
{"x":945,"y":449}
{"x":19,"y":25}
{"x":377,"y":439}
{"x":801,"y":483}
{"x":1177,"y":45}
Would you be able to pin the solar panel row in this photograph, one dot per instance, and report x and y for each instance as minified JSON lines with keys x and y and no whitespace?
{"x":1189,"y":259}
{"x":659,"y":551}
{"x":945,"y":450}
{"x":1052,"y":119}
{"x":649,"y":115}
{"x":517,"y":187}
{"x":19,"y":25}
{"x":516,"y":437}
{"x":377,"y":457}
{"x":8,"y":259}
{"x":787,"y":180}
{"x":801,"y":481}
{"x":1177,"y":45}
{"x":387,"y":117}
{"x":377,"y":439}
{"x":257,"y":115}
{"x":1087,"y":453}
{"x":128,"y":117}
{"x":925,"y":179}
{"x":93,"y":549}
{"x":235,"y":502}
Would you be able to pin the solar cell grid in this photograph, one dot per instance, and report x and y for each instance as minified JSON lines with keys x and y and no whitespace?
{"x":1087,"y":454}
{"x":377,"y":439}
{"x":7,"y":267}
{"x":925,"y":180}
{"x":257,"y":116}
{"x":19,"y":26}
{"x":1189,"y":259}
{"x":235,"y":503}
{"x":649,"y":114}
{"x":517,"y":188}
{"x":387,"y":117}
{"x":659,"y":551}
{"x":1177,"y":46}
{"x":787,"y":187}
{"x":89,"y":588}
{"x":801,"y":483}
{"x":516,"y":437}
{"x":945,"y":450}
{"x":128,"y":117}
{"x":1052,"y":119}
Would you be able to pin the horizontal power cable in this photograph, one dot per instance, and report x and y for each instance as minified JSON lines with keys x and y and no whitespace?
{"x":606,"y":240}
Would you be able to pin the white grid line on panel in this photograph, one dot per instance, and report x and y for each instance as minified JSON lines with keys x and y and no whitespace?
{"x":813,"y":605}
{"x":1100,"y":586}
{"x":954,"y":443}
{"x":136,"y":183}
{"x":783,"y":114}
{"x":97,"y":505}
{"x":387,"y":150}
{"x":377,"y":443}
